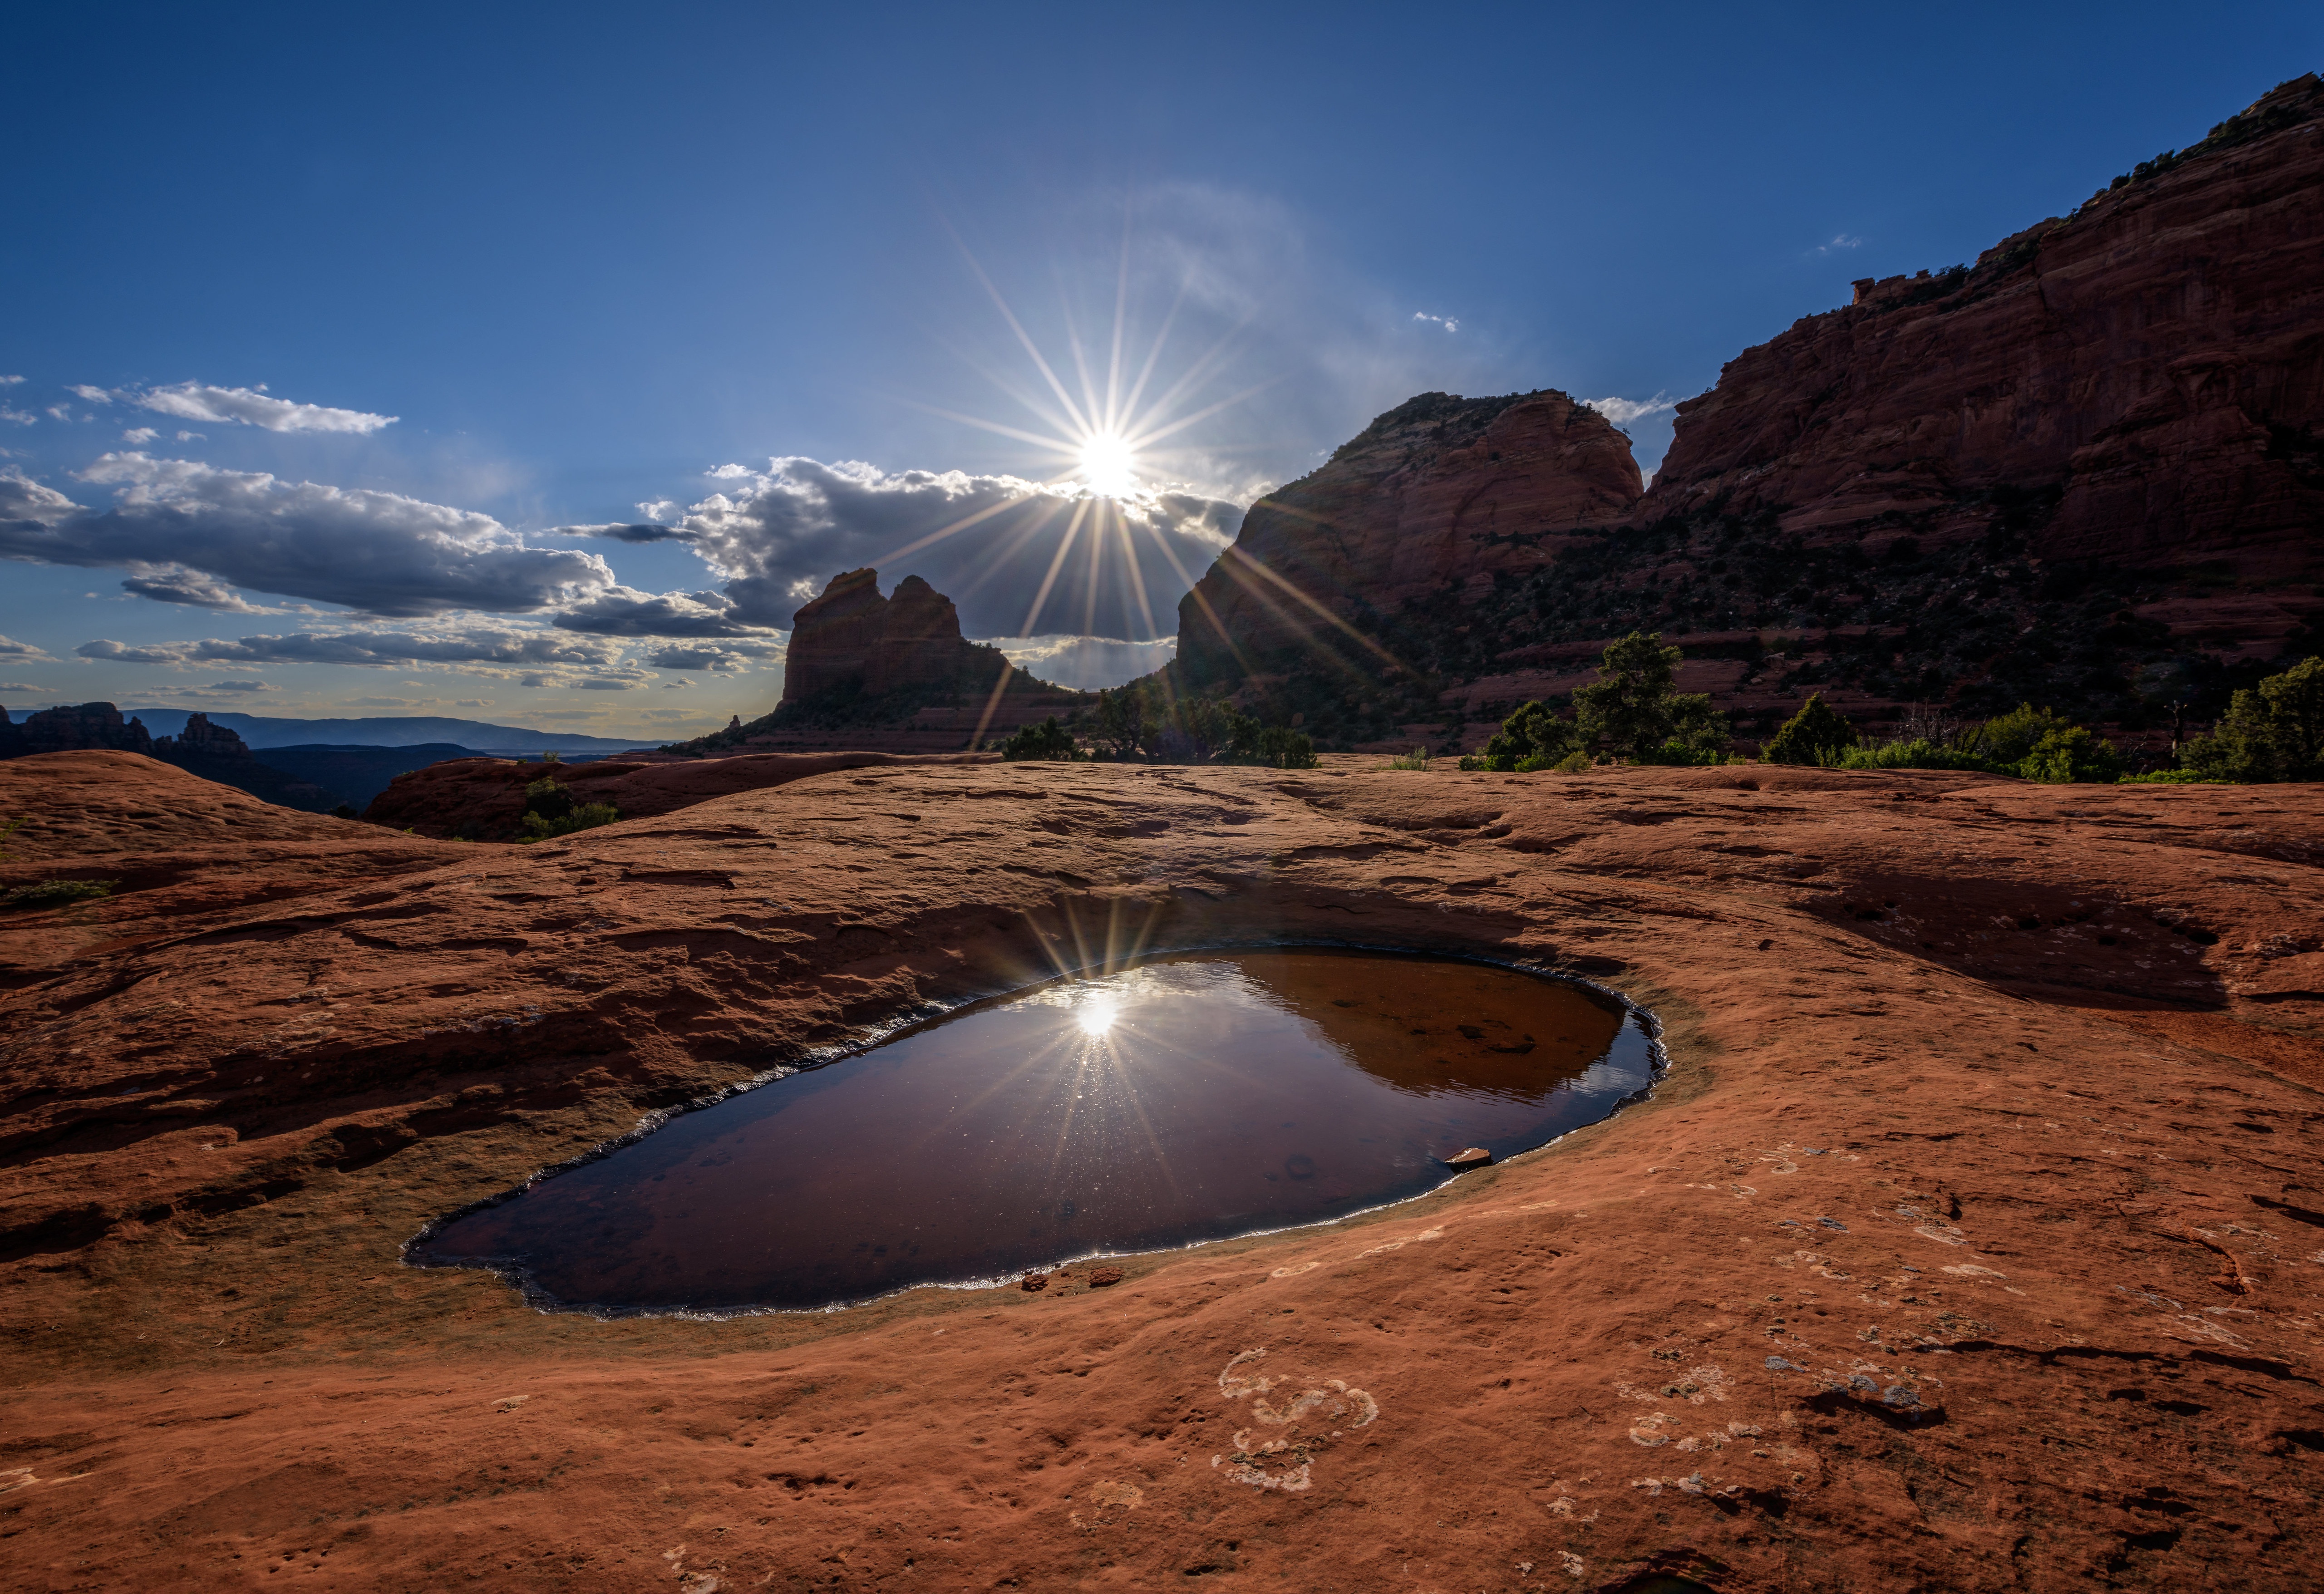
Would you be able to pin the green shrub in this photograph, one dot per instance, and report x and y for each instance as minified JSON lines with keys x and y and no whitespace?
{"x":1632,"y":709}
{"x":57,"y":893}
{"x":1532,"y":738}
{"x":1575,"y":763}
{"x":1418,"y":759}
{"x":2009,"y":738}
{"x":1281,"y":747}
{"x":540,"y":827}
{"x":1143,"y":722}
{"x":2072,"y":756}
{"x":2273,"y":732}
{"x":8,"y":834}
{"x":1047,"y":742}
{"x":1818,"y":730}
{"x":1919,"y":753}
{"x":2165,"y":778}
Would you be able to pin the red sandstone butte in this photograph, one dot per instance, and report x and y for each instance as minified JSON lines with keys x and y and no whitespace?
{"x":1974,"y":1238}
{"x":1430,"y":495}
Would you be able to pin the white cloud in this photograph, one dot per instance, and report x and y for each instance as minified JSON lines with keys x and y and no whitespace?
{"x":175,"y":584}
{"x":472,"y":702}
{"x":1450,"y":323}
{"x":19,"y":417}
{"x":1839,"y":241}
{"x":60,"y":412}
{"x":140,"y":435}
{"x":1623,"y":411}
{"x":470,"y":646}
{"x":10,"y":380}
{"x":193,"y":436}
{"x":21,"y":685}
{"x":238,"y":687}
{"x":717,"y":659}
{"x":376,"y":552}
{"x":15,"y":653}
{"x":991,"y":543}
{"x":194,"y":400}
{"x":1088,"y":662}
{"x":109,"y":651}
{"x":94,"y":395}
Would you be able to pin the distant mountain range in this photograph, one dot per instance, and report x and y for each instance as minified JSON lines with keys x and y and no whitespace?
{"x":408,"y":731}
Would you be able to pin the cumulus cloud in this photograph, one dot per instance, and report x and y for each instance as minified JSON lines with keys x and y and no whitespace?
{"x":123,"y":653}
{"x":1009,"y":551}
{"x":94,"y":395}
{"x":18,"y":416}
{"x":377,"y":552}
{"x":472,"y":702}
{"x":625,"y":612}
{"x":15,"y":652}
{"x":140,"y":435}
{"x":1450,"y":323}
{"x":21,"y":685}
{"x":226,"y":406}
{"x":1089,"y":662}
{"x":714,"y":658}
{"x":10,"y":380}
{"x":238,"y":687}
{"x":1623,"y":411}
{"x":175,"y":584}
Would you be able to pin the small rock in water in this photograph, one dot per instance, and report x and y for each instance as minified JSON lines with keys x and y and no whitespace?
{"x":1476,"y":1156}
{"x":1034,"y":1284}
{"x":1102,"y":1276}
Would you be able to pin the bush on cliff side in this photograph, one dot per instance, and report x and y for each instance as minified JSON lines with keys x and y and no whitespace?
{"x":57,"y":893}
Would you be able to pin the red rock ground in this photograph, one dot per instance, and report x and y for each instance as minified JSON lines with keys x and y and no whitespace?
{"x":1973,"y":1241}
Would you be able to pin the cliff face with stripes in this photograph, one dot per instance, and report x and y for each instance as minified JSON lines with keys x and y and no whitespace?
{"x":2087,"y":468}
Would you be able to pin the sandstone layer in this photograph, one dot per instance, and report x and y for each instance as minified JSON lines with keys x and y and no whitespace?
{"x":1440,"y":493}
{"x":2087,"y":471}
{"x":483,"y":798}
{"x":1971,"y":1241}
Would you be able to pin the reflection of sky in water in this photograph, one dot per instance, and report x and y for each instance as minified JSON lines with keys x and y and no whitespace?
{"x":1187,"y":1098}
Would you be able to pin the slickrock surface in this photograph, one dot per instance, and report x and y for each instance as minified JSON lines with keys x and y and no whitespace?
{"x":483,"y":799}
{"x":1974,"y":1240}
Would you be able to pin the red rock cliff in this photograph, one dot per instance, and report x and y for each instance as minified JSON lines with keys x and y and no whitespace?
{"x":1439,"y":492}
{"x":852,"y":642}
{"x":2157,"y":357}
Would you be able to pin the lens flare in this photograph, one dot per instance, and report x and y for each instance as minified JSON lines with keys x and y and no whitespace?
{"x":1096,"y":1017}
{"x":1108,"y":466}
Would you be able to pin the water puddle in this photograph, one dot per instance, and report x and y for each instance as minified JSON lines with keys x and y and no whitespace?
{"x":1189,"y":1097}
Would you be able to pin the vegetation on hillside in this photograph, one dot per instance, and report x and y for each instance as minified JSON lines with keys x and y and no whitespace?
{"x":1633,"y":711}
{"x":552,"y":810}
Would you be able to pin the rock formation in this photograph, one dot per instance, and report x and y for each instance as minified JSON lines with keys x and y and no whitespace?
{"x":850,"y":645}
{"x":214,"y":753}
{"x":2087,"y":469}
{"x":1968,"y":1243}
{"x":1440,"y":493}
{"x":888,"y":674}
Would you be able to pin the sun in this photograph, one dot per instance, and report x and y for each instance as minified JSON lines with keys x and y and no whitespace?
{"x":1096,"y":1016}
{"x":1109,"y":467}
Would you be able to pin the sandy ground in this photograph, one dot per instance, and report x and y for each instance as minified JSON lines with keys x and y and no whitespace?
{"x":1974,"y":1240}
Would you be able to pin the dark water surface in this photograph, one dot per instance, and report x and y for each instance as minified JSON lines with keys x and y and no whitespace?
{"x":1190,"y":1097}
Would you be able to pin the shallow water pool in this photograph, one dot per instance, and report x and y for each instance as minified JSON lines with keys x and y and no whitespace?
{"x":1190,"y":1097}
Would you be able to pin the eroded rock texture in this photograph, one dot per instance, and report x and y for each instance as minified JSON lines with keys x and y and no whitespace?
{"x":2087,"y":471}
{"x":1972,"y":1240}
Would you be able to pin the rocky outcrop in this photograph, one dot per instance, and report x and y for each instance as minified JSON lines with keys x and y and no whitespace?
{"x":888,"y":674}
{"x":214,"y":753}
{"x":2088,"y":470}
{"x":1440,"y":493}
{"x":2155,"y":360}
{"x":479,"y":799}
{"x":851,"y":645}
{"x":1966,"y":1243}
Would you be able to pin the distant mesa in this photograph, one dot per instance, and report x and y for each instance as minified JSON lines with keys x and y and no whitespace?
{"x":890,"y":674}
{"x":201,"y":747}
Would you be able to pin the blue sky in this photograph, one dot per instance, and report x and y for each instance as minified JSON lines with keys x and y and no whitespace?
{"x":586,"y":257}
